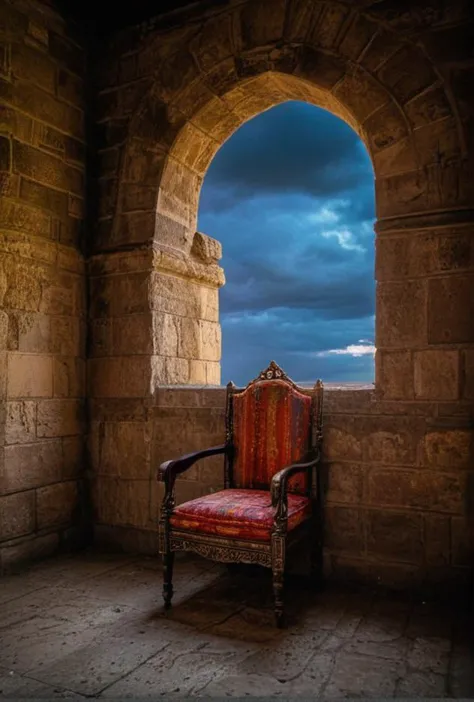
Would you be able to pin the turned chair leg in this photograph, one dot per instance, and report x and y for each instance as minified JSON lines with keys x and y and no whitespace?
{"x":168,"y":562}
{"x":278,"y":571}
{"x":278,"y":592}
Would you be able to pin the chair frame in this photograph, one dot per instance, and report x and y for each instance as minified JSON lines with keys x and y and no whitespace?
{"x":271,"y":554}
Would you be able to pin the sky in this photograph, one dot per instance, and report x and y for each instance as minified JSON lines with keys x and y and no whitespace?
{"x":290,"y":196}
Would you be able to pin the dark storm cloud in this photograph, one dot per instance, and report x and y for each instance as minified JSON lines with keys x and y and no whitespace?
{"x":291,"y":198}
{"x":297,"y":149}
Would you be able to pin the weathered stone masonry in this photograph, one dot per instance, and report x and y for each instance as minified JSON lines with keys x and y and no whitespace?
{"x":42,"y":280}
{"x":169,"y":93}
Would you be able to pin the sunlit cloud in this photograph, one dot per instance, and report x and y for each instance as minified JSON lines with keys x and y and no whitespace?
{"x":355,"y":350}
{"x":345,"y":239}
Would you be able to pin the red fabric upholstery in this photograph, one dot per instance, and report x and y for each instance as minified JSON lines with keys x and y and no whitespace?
{"x":240,"y":514}
{"x":271,"y":430}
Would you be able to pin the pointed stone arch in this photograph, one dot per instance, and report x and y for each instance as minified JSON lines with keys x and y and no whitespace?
{"x":370,"y":64}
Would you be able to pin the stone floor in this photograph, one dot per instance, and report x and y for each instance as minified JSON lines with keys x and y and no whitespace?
{"x":92,"y":625}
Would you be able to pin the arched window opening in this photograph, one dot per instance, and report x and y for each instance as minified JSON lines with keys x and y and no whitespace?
{"x":291,"y":198}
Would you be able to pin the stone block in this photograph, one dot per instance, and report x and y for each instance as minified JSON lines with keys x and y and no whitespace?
{"x":69,"y":377}
{"x":344,"y":529}
{"x":392,"y":440}
{"x":29,"y":332}
{"x":17,"y":217}
{"x":28,"y":549}
{"x":394,"y":374}
{"x":210,"y":341}
{"x":437,"y":540}
{"x":423,"y":490}
{"x":385,"y":127}
{"x":20,"y":424}
{"x":65,"y":336}
{"x":197,"y":373}
{"x":44,"y":197}
{"x":9,"y":184}
{"x":414,"y":81}
{"x":173,"y":371}
{"x":123,"y":502}
{"x":346,"y":483}
{"x":205,"y":248}
{"x":23,"y":291}
{"x":342,"y":441}
{"x":213,"y":43}
{"x":119,"y":295}
{"x":30,"y":375}
{"x":33,"y":66}
{"x":137,"y":506}
{"x":3,"y":331}
{"x":30,"y":465}
{"x":124,"y":450}
{"x":213,"y":373}
{"x":448,"y":449}
{"x":360,"y":94}
{"x":184,"y":298}
{"x":5,"y":154}
{"x":211,"y":471}
{"x":437,"y":375}
{"x":401,"y":193}
{"x":165,"y":331}
{"x":46,"y":169}
{"x":57,"y":296}
{"x":397,"y":158}
{"x":133,"y":229}
{"x":401,"y":315}
{"x":56,"y":505}
{"x":132,"y":335}
{"x":438,"y":143}
{"x":326,"y":25}
{"x":157,"y":492}
{"x":70,"y":88}
{"x":188,"y":490}
{"x":451,"y":310}
{"x":395,"y":536}
{"x":67,"y":53}
{"x":74,"y":457}
{"x":136,"y":196}
{"x":17,"y":514}
{"x":189,"y":338}
{"x":468,"y":380}
{"x":361,"y":33}
{"x":126,"y":376}
{"x":430,"y":106}
{"x":100,"y":337}
{"x":420,"y":255}
{"x":462,"y":541}
{"x":59,"y":418}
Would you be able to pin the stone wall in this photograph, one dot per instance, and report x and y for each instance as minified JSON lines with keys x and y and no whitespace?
{"x":398,"y":477}
{"x":42,"y":281}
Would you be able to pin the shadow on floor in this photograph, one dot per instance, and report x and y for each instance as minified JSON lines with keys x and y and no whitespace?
{"x":93,"y":625}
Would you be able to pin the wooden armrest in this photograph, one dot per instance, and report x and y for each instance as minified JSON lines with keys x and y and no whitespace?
{"x":170,"y":469}
{"x":279,"y":484}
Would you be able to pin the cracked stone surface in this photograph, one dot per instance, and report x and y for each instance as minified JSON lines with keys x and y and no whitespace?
{"x":92,"y":625}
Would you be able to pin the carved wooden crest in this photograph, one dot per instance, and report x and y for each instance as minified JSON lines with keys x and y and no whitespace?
{"x":273,"y":372}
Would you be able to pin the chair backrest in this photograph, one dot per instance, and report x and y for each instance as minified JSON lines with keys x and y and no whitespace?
{"x":271,"y":423}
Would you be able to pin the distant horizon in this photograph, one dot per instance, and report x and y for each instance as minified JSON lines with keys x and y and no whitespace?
{"x":290,"y":196}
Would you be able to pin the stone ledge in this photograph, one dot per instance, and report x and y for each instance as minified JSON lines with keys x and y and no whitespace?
{"x":144,"y":259}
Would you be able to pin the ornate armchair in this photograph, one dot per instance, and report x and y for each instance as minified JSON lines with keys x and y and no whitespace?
{"x":272,"y":484}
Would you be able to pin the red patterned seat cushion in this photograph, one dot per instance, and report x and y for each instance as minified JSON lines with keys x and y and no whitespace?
{"x":239,"y":514}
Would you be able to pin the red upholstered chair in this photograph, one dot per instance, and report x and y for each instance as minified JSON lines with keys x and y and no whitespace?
{"x":272,"y":487}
